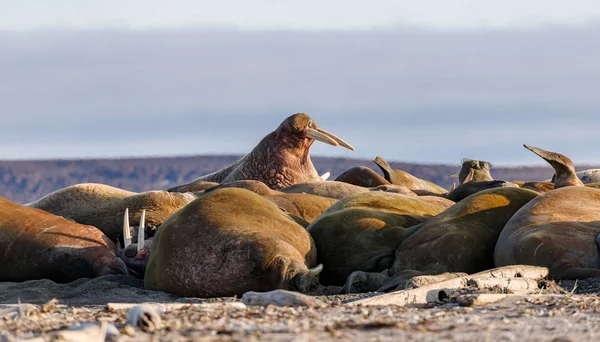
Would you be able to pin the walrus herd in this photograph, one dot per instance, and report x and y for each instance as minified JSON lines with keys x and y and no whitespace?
{"x":269,"y":221}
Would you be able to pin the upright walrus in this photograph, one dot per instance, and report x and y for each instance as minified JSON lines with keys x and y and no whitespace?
{"x":35,"y":244}
{"x":227,"y":242}
{"x":280,"y":159}
{"x":558,"y":229}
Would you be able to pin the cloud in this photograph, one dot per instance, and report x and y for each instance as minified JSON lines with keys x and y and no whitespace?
{"x":407,"y":94}
{"x":293,"y":14}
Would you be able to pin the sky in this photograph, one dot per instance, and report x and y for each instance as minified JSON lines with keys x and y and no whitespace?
{"x":427,"y":81}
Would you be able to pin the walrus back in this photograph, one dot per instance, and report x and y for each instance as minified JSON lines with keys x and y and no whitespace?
{"x":225,"y":243}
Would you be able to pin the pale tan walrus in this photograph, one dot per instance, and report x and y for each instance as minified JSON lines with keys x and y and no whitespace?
{"x":102,"y":206}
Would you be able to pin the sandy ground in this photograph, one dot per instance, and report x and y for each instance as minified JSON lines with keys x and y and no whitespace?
{"x":570,"y":317}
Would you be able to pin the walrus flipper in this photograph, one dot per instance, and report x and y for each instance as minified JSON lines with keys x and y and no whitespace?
{"x":360,"y":281}
{"x":387,"y":170}
{"x":576,"y":273}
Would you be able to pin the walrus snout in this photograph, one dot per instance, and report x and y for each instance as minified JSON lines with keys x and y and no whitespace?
{"x":304,"y":282}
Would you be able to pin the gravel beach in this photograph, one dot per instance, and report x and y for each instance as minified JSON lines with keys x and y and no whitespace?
{"x":573,"y":315}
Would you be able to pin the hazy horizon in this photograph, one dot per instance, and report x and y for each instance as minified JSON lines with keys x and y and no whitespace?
{"x":397,"y":79}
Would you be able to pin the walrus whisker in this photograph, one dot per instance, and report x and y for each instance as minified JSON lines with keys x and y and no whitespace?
{"x":314,"y":134}
{"x":126,"y":231}
{"x":339,"y":140}
{"x":141,"y":231}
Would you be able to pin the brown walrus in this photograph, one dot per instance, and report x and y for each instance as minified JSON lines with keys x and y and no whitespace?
{"x":460,"y":239}
{"x":536,"y":186}
{"x":399,"y":177}
{"x":362,"y":232}
{"x":196,"y":187}
{"x":281,"y":158}
{"x":102,"y":206}
{"x":586,"y":176}
{"x":362,"y":176}
{"x":339,"y":190}
{"x":228,"y":242}
{"x":477,"y":170}
{"x":306,"y":206}
{"x":559,"y":229}
{"x":35,"y":244}
{"x":470,"y":186}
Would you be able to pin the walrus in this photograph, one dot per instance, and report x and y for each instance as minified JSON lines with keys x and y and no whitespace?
{"x":558,"y":229}
{"x":198,"y":187}
{"x":460,"y":239}
{"x":306,"y":206}
{"x":362,"y":176}
{"x":536,"y":186}
{"x":339,"y":190}
{"x":35,"y":244}
{"x":400,"y":177}
{"x":255,"y":186}
{"x":480,"y":170}
{"x":469,"y":186}
{"x":102,"y":206}
{"x":362,"y":232}
{"x":586,"y":176}
{"x":227,"y":242}
{"x":281,"y":158}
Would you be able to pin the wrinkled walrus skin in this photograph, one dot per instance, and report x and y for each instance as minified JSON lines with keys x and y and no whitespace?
{"x":35,"y":244}
{"x":280,"y":159}
{"x":227,"y":242}
{"x":102,"y":206}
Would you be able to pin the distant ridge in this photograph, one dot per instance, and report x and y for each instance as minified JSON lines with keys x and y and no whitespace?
{"x":26,"y":181}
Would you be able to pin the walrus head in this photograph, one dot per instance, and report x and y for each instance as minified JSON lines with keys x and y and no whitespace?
{"x":304,"y":282}
{"x":563,"y":167}
{"x":299,"y":131}
{"x":481,"y":170}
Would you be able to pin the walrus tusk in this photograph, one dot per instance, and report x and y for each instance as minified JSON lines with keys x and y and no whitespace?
{"x":315,"y":271}
{"x":339,"y":140}
{"x":126,"y":232}
{"x":314,"y":134}
{"x":140,"y":243}
{"x":325,"y":176}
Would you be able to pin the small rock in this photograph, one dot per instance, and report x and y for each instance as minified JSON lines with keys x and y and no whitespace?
{"x":280,"y":298}
{"x":146,"y":317}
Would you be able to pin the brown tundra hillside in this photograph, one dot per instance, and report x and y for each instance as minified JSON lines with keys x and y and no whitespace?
{"x":26,"y":181}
